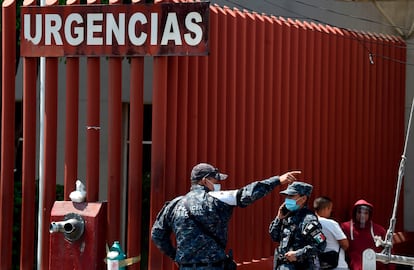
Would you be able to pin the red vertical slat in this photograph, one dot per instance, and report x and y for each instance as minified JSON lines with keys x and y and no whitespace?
{"x":192,"y":123}
{"x":316,"y":109}
{"x":364,"y":113}
{"x":324,"y":108}
{"x":180,"y":122}
{"x":248,"y":214}
{"x":302,"y":97}
{"x":377,"y":135}
{"x":277,"y":59}
{"x":93,"y":125}
{"x":213,"y":80}
{"x":29,"y":161}
{"x":268,"y":71}
{"x":284,"y":125}
{"x":231,"y":79}
{"x":202,"y":129}
{"x":50,"y":127}
{"x":386,"y":76}
{"x":136,"y":120}
{"x":355,"y":90}
{"x":340,"y":99}
{"x":7,"y":131}
{"x":72,"y":113}
{"x":238,"y":226}
{"x":292,"y":110}
{"x":333,"y":109}
{"x":268,"y":136}
{"x":310,"y":75}
{"x":259,"y":125}
{"x":114,"y":146}
{"x":387,"y":114}
{"x":171,"y":148}
{"x":158,"y":154}
{"x":368,"y":103}
{"x":277,"y":107}
{"x":346,"y":129}
{"x":221,"y":98}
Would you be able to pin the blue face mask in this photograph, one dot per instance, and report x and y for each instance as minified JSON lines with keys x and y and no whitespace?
{"x":291,"y":204}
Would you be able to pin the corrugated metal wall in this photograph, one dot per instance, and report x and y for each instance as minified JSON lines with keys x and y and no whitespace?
{"x":277,"y":94}
{"x":273,"y":95}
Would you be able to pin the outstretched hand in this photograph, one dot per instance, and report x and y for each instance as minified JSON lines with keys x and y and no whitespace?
{"x":289,"y":177}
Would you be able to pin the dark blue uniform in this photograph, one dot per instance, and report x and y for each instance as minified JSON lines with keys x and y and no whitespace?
{"x":195,"y":249}
{"x":300,"y":232}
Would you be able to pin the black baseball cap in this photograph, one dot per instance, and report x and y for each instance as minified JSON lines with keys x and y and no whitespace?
{"x":203,"y":170}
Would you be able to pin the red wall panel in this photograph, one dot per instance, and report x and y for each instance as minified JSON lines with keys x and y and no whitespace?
{"x":278,"y":95}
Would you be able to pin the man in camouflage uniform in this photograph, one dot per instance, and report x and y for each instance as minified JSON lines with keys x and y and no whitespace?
{"x":297,"y":230}
{"x":209,"y":208}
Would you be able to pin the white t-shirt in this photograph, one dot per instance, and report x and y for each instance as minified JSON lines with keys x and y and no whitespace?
{"x":333,"y":233}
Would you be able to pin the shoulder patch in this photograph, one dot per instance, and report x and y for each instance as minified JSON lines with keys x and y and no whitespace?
{"x":227,"y":196}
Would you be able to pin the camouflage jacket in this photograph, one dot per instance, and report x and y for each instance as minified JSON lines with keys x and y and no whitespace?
{"x":212,"y":209}
{"x":301,"y":232}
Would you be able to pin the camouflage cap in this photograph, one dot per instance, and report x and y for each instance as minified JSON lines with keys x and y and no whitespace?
{"x":296,"y":188}
{"x":203,"y":170}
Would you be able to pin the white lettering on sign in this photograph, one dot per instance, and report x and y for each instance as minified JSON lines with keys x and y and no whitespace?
{"x":93,"y":26}
{"x":71,"y":21}
{"x":128,"y":29}
{"x":137,"y":17}
{"x":114,"y":27}
{"x":191,"y":23}
{"x":154,"y":28}
{"x":38,"y":32}
{"x":53,"y":24}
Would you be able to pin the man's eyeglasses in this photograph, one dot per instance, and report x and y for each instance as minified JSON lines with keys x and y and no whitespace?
{"x":214,"y":174}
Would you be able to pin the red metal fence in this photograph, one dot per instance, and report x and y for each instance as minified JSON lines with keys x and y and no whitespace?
{"x":274,"y":95}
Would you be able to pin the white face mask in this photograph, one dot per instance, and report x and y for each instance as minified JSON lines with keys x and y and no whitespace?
{"x":216,"y":187}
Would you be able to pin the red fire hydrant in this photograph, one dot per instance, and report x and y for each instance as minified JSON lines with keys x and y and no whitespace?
{"x":78,"y":235}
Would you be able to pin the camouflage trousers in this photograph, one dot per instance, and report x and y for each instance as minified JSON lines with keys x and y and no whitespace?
{"x":293,"y":266}
{"x":201,"y":267}
{"x":280,"y":263}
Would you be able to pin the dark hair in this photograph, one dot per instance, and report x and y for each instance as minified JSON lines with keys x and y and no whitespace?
{"x":321,"y":203}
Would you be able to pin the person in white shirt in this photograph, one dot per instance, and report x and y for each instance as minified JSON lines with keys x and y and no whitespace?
{"x":335,"y":237}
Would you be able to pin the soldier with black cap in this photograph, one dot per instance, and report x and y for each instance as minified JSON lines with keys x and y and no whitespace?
{"x":200,"y":218}
{"x":297,"y":230}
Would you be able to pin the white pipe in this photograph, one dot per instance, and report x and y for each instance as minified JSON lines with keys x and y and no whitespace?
{"x":42,"y":74}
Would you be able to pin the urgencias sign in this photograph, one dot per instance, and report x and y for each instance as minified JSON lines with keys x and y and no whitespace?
{"x":115,"y":30}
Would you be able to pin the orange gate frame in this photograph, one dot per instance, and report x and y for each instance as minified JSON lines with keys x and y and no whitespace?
{"x":274,"y":94}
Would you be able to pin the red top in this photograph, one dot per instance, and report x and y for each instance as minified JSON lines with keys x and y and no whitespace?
{"x":360,"y":232}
